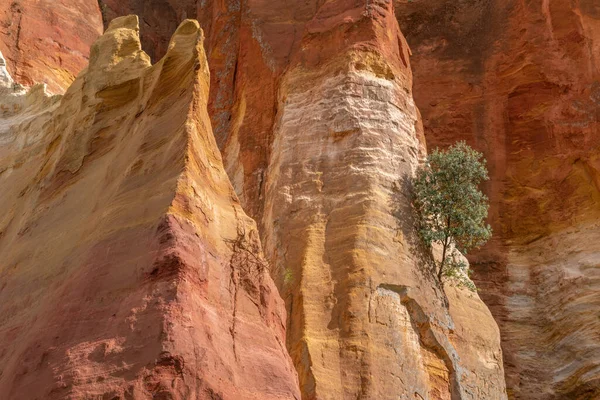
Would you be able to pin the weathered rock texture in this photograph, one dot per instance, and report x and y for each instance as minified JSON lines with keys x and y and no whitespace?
{"x":366,"y":319}
{"x":313,"y":111}
{"x":520,"y":80}
{"x":300,"y":102}
{"x":129,"y":269}
{"x":48,"y":41}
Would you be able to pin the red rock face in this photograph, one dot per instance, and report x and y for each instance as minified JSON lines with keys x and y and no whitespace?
{"x":519,"y":80}
{"x":48,"y":40}
{"x":129,"y":269}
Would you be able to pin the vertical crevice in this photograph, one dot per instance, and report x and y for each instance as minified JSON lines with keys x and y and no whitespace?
{"x":103,"y":11}
{"x":428,"y":340}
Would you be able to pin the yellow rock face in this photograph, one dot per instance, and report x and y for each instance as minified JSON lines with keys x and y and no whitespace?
{"x":129,"y":269}
{"x":367,"y":319}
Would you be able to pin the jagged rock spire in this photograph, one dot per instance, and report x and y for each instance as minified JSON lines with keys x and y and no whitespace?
{"x":150,"y":281}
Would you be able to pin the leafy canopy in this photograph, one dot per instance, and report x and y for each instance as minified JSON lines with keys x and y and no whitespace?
{"x":450,"y":207}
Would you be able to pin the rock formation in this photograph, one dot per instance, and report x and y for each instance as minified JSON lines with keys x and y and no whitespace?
{"x":48,"y":40}
{"x":129,"y":269}
{"x":313,"y":111}
{"x":520,"y":81}
{"x":366,"y":318}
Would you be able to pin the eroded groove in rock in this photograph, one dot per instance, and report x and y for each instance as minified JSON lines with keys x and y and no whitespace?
{"x":121,"y":234}
{"x":439,"y":356}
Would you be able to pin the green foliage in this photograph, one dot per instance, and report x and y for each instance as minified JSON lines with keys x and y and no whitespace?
{"x":450,"y":207}
{"x":288,"y":276}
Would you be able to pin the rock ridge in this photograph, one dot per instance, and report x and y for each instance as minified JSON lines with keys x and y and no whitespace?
{"x":129,"y":268}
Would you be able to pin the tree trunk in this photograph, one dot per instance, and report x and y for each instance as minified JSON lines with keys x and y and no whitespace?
{"x":443,"y":260}
{"x":446,"y":243}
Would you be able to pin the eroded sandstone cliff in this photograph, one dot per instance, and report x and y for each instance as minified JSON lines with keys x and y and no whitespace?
{"x":367,"y":319}
{"x":520,"y":80}
{"x":48,"y":40}
{"x":312,"y":108}
{"x":313,"y":111}
{"x":129,"y":269}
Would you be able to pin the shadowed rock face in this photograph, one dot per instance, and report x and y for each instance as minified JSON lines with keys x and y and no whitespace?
{"x":48,"y":40}
{"x":313,"y":111}
{"x":129,"y":269}
{"x":519,"y":80}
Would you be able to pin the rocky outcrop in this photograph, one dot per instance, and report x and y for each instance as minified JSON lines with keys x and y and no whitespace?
{"x":313,"y":111}
{"x":367,"y":319}
{"x":129,"y":269}
{"x":315,"y":128}
{"x":519,"y":81}
{"x":249,"y":45}
{"x":48,"y":41}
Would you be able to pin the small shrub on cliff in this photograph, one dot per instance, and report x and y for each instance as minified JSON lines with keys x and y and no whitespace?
{"x":450,"y":207}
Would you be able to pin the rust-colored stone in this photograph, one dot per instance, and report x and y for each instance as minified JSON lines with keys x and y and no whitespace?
{"x":519,"y":80}
{"x":313,"y":111}
{"x":48,"y":41}
{"x":129,"y":269}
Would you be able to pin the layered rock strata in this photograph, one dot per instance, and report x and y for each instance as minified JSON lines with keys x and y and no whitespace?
{"x":517,"y":79}
{"x":367,"y":319}
{"x":48,"y":41}
{"x":313,"y":111}
{"x":520,"y":81}
{"x":129,"y":269}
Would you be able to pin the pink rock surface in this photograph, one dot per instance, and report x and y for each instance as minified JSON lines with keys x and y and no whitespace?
{"x":48,"y":41}
{"x":129,"y":269}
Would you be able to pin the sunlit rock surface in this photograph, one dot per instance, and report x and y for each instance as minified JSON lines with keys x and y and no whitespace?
{"x":367,"y":319}
{"x":129,"y":269}
{"x":313,"y":111}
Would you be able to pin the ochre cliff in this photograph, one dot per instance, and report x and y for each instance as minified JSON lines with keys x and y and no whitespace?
{"x":313,"y":112}
{"x":48,"y":40}
{"x":129,"y":269}
{"x":312,"y":109}
{"x":366,"y":318}
{"x":520,"y":80}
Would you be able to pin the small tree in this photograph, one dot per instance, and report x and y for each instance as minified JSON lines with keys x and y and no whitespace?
{"x":450,"y":207}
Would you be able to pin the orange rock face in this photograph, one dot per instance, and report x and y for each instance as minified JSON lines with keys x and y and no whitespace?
{"x":312,"y":108}
{"x":313,"y":111}
{"x":520,"y":81}
{"x":129,"y":269}
{"x":366,"y":318}
{"x":48,"y":41}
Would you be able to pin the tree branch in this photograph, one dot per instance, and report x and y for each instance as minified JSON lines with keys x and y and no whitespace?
{"x":445,"y":248}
